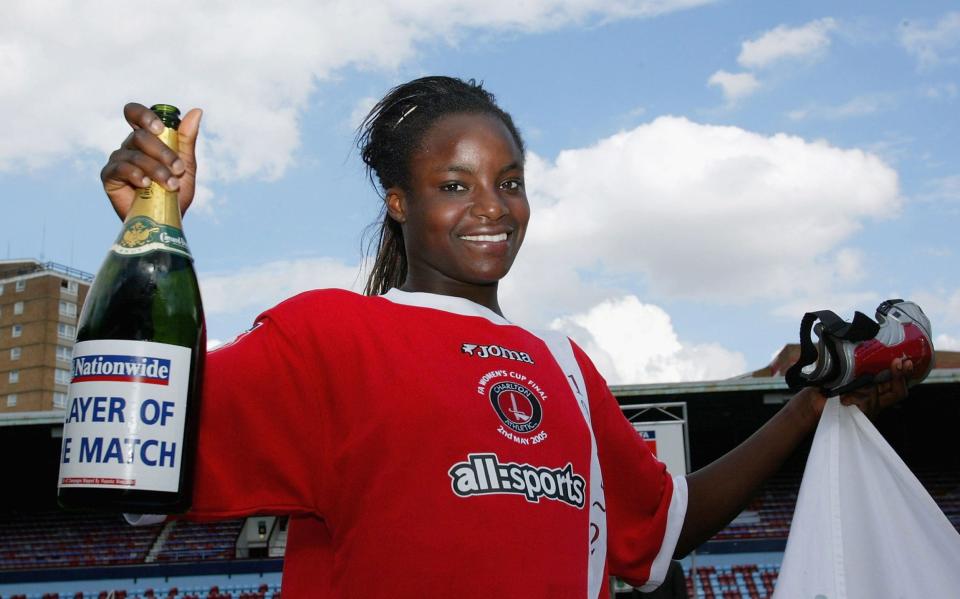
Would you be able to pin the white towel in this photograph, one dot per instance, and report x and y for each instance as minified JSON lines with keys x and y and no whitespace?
{"x":864,"y":526}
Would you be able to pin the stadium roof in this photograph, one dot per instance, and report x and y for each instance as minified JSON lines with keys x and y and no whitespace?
{"x":749,"y":383}
{"x":770,"y":378}
{"x":31,"y":418}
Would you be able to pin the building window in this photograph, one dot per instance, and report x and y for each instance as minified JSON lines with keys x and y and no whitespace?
{"x":12,"y":400}
{"x":15,"y":353}
{"x":18,"y":308}
{"x":68,"y":308}
{"x":62,"y":377}
{"x":64,"y":353}
{"x":69,"y":287}
{"x":16,"y":331}
{"x":59,"y":399}
{"x":1,"y":288}
{"x":66,"y":331}
{"x":21,"y":285}
{"x":14,"y":376}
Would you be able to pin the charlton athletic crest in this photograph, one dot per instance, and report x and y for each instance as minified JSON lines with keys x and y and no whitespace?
{"x":517,"y":406}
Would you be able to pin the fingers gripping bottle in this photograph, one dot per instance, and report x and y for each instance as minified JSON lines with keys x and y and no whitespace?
{"x":130,"y":426}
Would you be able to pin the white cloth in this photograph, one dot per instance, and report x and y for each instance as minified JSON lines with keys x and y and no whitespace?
{"x":864,"y":526}
{"x":144,"y":519}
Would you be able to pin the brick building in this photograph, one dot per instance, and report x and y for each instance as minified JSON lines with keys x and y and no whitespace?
{"x":39,"y":308}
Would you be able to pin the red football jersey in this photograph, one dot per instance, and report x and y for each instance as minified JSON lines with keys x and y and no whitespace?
{"x":427,"y":447}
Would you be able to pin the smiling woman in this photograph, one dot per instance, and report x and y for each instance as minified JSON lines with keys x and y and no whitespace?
{"x":442,"y":146}
{"x":416,"y":436}
{"x":464,"y":212}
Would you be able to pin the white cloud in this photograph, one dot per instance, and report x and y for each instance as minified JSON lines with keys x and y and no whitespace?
{"x":843,"y":303}
{"x":265,"y":285}
{"x":68,"y":67}
{"x":361,"y":110}
{"x":714,"y":213}
{"x":937,"y":251}
{"x":944,"y":189}
{"x":204,"y":199}
{"x":932,"y":45}
{"x":781,"y":43}
{"x":893,"y":147}
{"x":946,"y":343}
{"x":856,"y":107}
{"x":941,"y":91}
{"x":632,"y":342}
{"x":942,"y":307}
{"x":807,"y":42}
{"x":734,"y":85}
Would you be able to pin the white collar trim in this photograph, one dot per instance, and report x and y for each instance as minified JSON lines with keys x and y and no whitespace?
{"x":447,"y":303}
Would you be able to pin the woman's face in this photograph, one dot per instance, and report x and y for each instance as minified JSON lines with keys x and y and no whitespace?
{"x":465,"y":213}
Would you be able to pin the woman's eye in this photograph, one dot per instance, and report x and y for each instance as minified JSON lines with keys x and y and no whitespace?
{"x":512,"y":185}
{"x":453,"y":187}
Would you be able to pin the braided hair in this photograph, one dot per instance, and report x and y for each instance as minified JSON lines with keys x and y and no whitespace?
{"x":388,"y":137}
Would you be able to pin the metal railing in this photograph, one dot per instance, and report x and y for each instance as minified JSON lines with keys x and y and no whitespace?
{"x":69,"y":271}
{"x":32,"y":266}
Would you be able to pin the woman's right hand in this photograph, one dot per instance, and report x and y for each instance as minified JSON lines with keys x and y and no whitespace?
{"x":142,"y":157}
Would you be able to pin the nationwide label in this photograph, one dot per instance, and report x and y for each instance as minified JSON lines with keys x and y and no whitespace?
{"x":125,"y":416}
{"x":142,"y":235}
{"x":143,"y":369}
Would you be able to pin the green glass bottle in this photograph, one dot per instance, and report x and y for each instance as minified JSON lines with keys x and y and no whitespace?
{"x":130,"y":427}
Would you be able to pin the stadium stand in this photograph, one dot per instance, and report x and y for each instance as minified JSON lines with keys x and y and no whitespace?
{"x":198,"y":541}
{"x":945,"y":489}
{"x":768,"y":516}
{"x":57,"y":540}
{"x":263,"y":591}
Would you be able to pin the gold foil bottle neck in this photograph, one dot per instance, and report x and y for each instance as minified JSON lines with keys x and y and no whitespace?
{"x":155,"y":202}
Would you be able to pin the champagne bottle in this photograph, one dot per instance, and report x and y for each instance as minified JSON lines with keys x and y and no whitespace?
{"x":130,"y":426}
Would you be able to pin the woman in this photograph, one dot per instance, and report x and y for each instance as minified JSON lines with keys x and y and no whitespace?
{"x":425,"y":445}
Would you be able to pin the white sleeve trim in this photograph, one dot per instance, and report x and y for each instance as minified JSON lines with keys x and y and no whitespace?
{"x":144,"y":519}
{"x":675,"y":515}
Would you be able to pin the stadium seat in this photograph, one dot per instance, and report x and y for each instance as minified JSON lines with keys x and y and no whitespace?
{"x":742,"y":581}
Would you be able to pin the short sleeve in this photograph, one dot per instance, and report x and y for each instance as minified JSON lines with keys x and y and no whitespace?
{"x":258,"y":448}
{"x":645,"y":504}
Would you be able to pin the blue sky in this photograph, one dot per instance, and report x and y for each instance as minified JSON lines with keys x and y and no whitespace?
{"x":700,"y":173}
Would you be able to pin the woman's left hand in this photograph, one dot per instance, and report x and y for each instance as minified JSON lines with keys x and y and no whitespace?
{"x":872,"y":399}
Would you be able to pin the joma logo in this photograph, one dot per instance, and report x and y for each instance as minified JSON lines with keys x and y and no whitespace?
{"x":495,"y":351}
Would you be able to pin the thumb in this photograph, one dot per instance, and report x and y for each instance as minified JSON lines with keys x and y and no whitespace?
{"x":188,"y":132}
